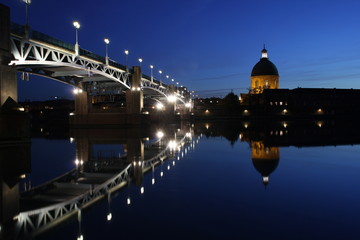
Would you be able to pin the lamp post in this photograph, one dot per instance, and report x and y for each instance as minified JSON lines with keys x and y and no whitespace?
{"x":27,"y":4}
{"x":107,"y":41}
{"x":140,"y":61}
{"x":126,"y":59}
{"x":77,"y":26}
{"x":160,"y":76}
{"x":151,"y":72}
{"x":167,"y":76}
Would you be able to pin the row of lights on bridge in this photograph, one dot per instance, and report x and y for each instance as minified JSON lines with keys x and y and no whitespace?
{"x":77,"y":26}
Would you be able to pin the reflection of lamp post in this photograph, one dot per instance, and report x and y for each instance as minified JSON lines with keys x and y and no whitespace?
{"x":107,"y":41}
{"x":151,"y":71}
{"x":126,"y":59}
{"x":80,"y":237}
{"x":77,"y":26}
{"x":109,"y":216}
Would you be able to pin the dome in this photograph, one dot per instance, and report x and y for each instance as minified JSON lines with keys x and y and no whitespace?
{"x":264,"y":66}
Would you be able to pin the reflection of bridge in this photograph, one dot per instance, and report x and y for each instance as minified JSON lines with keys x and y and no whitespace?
{"x":94,"y":77}
{"x":91,"y":180}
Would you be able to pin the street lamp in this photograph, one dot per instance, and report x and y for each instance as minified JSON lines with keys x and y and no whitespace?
{"x":160,"y":76}
{"x":151,"y":70}
{"x":126,"y":59}
{"x":27,"y":4}
{"x":167,"y":76}
{"x":77,"y":26}
{"x":107,"y":41}
{"x":140,"y":61}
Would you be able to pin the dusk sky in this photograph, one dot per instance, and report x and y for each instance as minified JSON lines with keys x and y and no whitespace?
{"x":210,"y":46}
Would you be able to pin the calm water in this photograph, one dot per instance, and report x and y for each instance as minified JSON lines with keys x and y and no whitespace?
{"x":237,"y":182}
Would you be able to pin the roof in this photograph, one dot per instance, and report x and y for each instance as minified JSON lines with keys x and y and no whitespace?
{"x":264,"y":67}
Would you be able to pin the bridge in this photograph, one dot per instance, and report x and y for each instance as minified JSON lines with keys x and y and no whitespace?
{"x":96,"y":79}
{"x":94,"y":178}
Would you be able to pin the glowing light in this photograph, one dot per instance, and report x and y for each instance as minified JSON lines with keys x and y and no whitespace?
{"x":151,"y":66}
{"x":77,"y":162}
{"x":159,"y":134}
{"x":142,"y":190}
{"x":76,"y":24}
{"x":172,"y":145}
{"x":140,"y":60}
{"x":23,"y":176}
{"x":207,"y":111}
{"x":106,"y":40}
{"x":81,"y":237}
{"x":285,"y":111}
{"x":188,"y":105}
{"x":153,"y":181}
{"x":171,"y":98}
{"x":285,"y":124}
{"x":128,"y":201}
{"x":109,"y":217}
{"x":188,"y":134}
{"x":168,"y":167}
{"x":159,"y":106}
{"x":266,"y":179}
{"x":126,"y":52}
{"x":161,"y":173}
{"x":71,"y":140}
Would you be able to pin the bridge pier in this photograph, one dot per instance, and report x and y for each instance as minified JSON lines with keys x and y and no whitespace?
{"x":134,"y":96}
{"x":8,"y":80}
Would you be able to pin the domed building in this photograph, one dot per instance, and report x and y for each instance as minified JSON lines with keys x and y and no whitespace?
{"x":264,"y":74}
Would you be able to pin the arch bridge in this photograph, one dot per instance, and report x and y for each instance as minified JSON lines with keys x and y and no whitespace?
{"x":32,"y":52}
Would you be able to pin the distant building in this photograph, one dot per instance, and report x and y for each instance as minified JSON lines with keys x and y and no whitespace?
{"x":264,"y":75}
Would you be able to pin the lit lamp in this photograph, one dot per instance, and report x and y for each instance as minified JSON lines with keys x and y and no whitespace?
{"x":126,"y":59}
{"x":151,"y":71}
{"x":160,"y":76}
{"x":77,"y":26}
{"x":140,"y":61}
{"x":107,"y":41}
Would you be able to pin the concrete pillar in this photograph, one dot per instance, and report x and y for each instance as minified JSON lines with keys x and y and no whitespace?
{"x":8,"y":81}
{"x":82,"y":103}
{"x":170,"y":106}
{"x":134,"y":96}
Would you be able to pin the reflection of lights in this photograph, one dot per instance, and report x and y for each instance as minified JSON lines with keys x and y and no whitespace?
{"x":188,"y":134}
{"x":159,"y":106}
{"x":80,"y":237}
{"x":173,"y":163}
{"x":159,"y":134}
{"x":240,"y":136}
{"x":265,"y":179}
{"x":71,"y":140}
{"x":23,"y":176}
{"x":153,"y":181}
{"x":109,"y":217}
{"x":128,"y":201}
{"x":172,"y":144}
{"x":207,"y":126}
{"x":168,"y":167}
{"x":161,"y":173}
{"x":142,"y":190}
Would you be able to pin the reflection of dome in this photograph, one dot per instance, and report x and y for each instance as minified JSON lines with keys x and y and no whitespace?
{"x":264,"y":66}
{"x":265,"y":167}
{"x":265,"y":159}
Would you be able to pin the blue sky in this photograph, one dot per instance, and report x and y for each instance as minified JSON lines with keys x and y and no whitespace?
{"x":210,"y":46}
